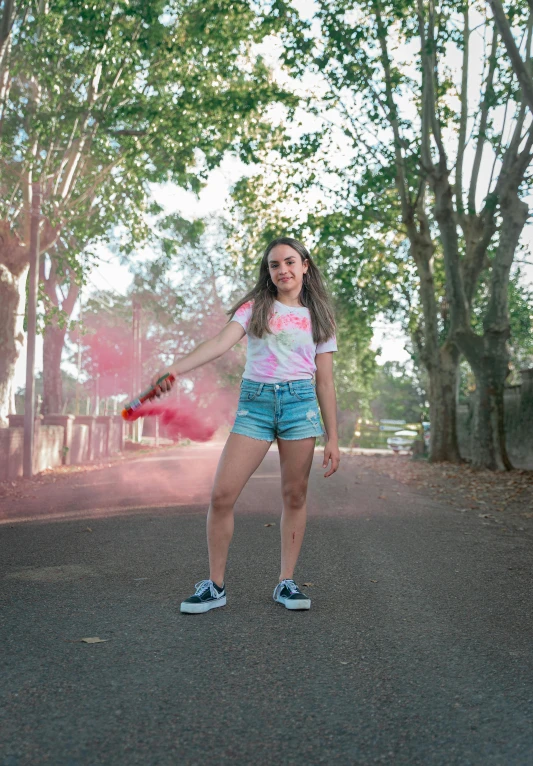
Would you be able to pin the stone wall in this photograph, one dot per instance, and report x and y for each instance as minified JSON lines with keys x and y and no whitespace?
{"x":79,"y":448}
{"x":116,"y":437}
{"x":518,"y":423}
{"x":48,"y":451}
{"x":11,"y":444}
{"x":59,"y":440}
{"x":99,"y":440}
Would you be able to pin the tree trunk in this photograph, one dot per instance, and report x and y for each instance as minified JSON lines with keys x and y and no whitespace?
{"x":13,"y":272}
{"x":54,"y":336}
{"x":12,"y":301}
{"x":443,"y":407}
{"x":54,"y":339}
{"x":441,"y":363}
{"x":489,"y":448}
{"x":489,"y":356}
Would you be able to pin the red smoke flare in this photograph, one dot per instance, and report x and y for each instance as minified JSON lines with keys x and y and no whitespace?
{"x":178,"y":419}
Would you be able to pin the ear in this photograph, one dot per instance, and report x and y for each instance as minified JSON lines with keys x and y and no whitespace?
{"x":305,"y":265}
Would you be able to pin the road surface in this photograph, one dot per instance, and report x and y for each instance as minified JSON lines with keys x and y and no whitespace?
{"x":417,"y":648}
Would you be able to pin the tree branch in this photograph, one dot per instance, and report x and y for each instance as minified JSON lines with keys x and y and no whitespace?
{"x":72,"y":296}
{"x":485,"y":107}
{"x":66,"y":156}
{"x":99,"y":178}
{"x":50,"y":282}
{"x":427,"y":160}
{"x":392,"y":116}
{"x":519,"y":67}
{"x":127,"y":132}
{"x":429,"y":92}
{"x":464,"y":114}
{"x":498,"y":148}
{"x":5,"y":50}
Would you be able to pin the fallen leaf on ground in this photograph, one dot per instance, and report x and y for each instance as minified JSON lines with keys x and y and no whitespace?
{"x":463,"y":486}
{"x":373,"y":581}
{"x":269,"y":525}
{"x":343,"y":663}
{"x":94,"y":640}
{"x":308,"y":584}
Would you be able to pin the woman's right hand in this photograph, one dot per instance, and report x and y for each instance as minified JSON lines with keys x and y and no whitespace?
{"x":165,"y":385}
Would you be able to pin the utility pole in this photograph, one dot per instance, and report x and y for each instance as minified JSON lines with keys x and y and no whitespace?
{"x":80,"y":325}
{"x":97,"y":395}
{"x":116,"y":394}
{"x":33,"y":285}
{"x":136,"y":371}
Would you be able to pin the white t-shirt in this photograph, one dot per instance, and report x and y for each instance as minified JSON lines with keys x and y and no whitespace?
{"x":288,"y":352}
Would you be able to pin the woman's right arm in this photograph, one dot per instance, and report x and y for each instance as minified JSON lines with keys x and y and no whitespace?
{"x":210,"y":349}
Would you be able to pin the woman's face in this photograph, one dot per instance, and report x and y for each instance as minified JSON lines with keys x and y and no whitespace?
{"x":286,"y":269}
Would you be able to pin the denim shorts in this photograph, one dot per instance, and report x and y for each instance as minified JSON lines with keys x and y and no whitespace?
{"x":270,"y":410}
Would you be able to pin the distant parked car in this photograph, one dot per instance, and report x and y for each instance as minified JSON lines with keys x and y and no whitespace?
{"x":402,"y":440}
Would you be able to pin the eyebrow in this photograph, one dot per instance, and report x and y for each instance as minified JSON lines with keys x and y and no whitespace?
{"x":285,"y":259}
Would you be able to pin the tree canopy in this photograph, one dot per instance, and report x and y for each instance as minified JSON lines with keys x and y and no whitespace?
{"x":415,"y":144}
{"x":99,"y":100}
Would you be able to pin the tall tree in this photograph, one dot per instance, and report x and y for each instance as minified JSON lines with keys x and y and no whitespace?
{"x":491,"y":232}
{"x":403,"y":147}
{"x":60,"y":287}
{"x":98,"y":100}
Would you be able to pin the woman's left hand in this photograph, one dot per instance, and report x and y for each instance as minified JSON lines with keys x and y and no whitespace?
{"x":331,"y":452}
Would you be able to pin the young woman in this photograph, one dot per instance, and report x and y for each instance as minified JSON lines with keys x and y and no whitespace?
{"x":291,"y":339}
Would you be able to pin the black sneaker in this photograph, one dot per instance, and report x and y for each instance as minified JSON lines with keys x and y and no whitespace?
{"x":208,"y":596}
{"x":288,"y":593}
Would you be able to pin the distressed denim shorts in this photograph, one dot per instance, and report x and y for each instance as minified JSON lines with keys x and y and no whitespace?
{"x":270,"y":410}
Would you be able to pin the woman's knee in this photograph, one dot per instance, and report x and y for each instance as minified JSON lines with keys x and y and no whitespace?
{"x":294,"y":496}
{"x":222,"y":499}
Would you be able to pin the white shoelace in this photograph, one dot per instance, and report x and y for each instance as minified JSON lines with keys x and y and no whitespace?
{"x":204,"y":585}
{"x":291,"y":585}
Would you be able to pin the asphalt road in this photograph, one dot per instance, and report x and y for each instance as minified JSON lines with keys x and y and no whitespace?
{"x":417,"y":648}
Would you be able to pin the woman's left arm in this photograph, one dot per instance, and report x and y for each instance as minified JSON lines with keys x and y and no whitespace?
{"x":325,"y":391}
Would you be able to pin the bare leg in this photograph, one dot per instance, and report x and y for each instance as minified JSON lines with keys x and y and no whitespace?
{"x":296,"y":458}
{"x":240,"y":458}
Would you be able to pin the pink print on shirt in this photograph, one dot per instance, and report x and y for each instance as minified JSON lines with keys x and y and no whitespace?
{"x":288,"y":352}
{"x":281,"y":322}
{"x":245,"y":311}
{"x":266,"y":368}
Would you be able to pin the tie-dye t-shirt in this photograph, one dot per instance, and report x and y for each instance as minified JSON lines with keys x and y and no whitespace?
{"x":288,"y":353}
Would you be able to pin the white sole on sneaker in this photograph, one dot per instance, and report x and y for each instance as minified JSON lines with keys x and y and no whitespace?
{"x":295,"y":604}
{"x":198,"y":608}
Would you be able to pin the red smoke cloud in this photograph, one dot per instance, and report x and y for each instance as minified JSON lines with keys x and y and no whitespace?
{"x":179,"y":419}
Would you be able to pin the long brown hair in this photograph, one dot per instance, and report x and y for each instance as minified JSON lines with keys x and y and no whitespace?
{"x":313,"y":296}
